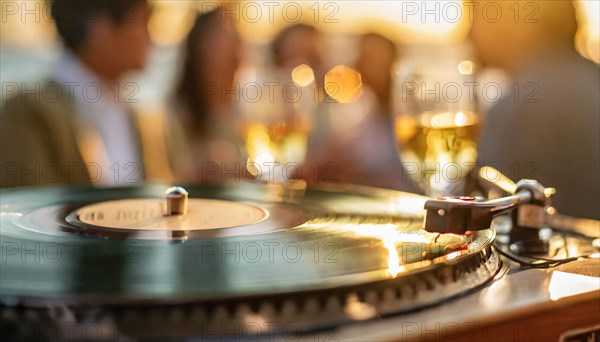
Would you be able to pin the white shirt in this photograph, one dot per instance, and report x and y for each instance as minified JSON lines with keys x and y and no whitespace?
{"x":104,"y":124}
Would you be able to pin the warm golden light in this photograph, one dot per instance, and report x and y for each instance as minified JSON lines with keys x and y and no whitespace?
{"x":406,"y":128}
{"x":170,"y":22}
{"x":343,"y":83}
{"x":303,"y":75}
{"x":258,"y":146}
{"x":442,"y":143}
{"x":568,"y":284}
{"x":401,"y":20}
{"x":588,"y":37}
{"x":465,"y":67}
{"x":404,"y":246}
{"x":26,"y":24}
{"x":390,"y":237}
{"x":359,"y":310}
{"x":453,"y":255}
{"x":448,"y":119}
{"x":277,"y":143}
{"x":494,"y":176}
{"x":461,"y":119}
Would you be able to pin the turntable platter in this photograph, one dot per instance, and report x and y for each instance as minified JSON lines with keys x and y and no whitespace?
{"x":349,"y":243}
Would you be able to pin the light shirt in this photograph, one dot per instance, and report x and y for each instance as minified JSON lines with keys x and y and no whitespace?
{"x":104,"y":125}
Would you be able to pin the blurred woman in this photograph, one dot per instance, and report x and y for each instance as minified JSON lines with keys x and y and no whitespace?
{"x":376,"y":58}
{"x":201,"y":127}
{"x":362,"y":148}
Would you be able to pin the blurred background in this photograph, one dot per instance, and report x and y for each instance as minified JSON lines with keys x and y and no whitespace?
{"x":358,"y":60}
{"x":30,"y":44}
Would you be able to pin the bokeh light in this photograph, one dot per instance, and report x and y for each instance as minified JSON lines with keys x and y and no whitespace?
{"x":465,"y":67}
{"x":343,"y":83}
{"x":303,"y":75}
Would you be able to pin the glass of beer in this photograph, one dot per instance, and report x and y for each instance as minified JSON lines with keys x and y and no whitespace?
{"x":275,"y":126}
{"x":436,"y":122}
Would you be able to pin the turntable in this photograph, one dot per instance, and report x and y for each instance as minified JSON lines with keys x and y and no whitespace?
{"x":281,"y":261}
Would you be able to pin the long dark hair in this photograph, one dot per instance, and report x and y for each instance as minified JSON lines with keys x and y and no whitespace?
{"x":189,"y":93}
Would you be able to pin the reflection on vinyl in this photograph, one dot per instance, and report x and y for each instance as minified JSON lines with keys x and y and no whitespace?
{"x":326,"y":255}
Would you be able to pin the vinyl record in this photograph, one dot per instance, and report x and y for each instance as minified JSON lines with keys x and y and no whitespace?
{"x":240,"y":247}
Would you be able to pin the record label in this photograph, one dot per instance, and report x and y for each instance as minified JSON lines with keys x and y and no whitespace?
{"x":148,"y":214}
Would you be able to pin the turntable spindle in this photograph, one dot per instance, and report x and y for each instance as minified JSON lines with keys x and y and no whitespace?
{"x":177,"y":201}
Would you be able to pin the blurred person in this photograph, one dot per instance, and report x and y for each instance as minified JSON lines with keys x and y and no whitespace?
{"x":365,"y":151}
{"x":294,"y":46}
{"x":299,"y":44}
{"x":78,"y":130}
{"x":376,"y":58}
{"x":201,"y":125}
{"x":300,"y":47}
{"x":550,"y":129}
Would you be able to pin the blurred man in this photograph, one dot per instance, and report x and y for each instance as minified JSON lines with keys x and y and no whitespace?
{"x":75,"y":128}
{"x":547,"y":126}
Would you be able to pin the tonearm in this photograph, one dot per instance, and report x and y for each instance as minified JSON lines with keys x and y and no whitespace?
{"x":530,"y":199}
